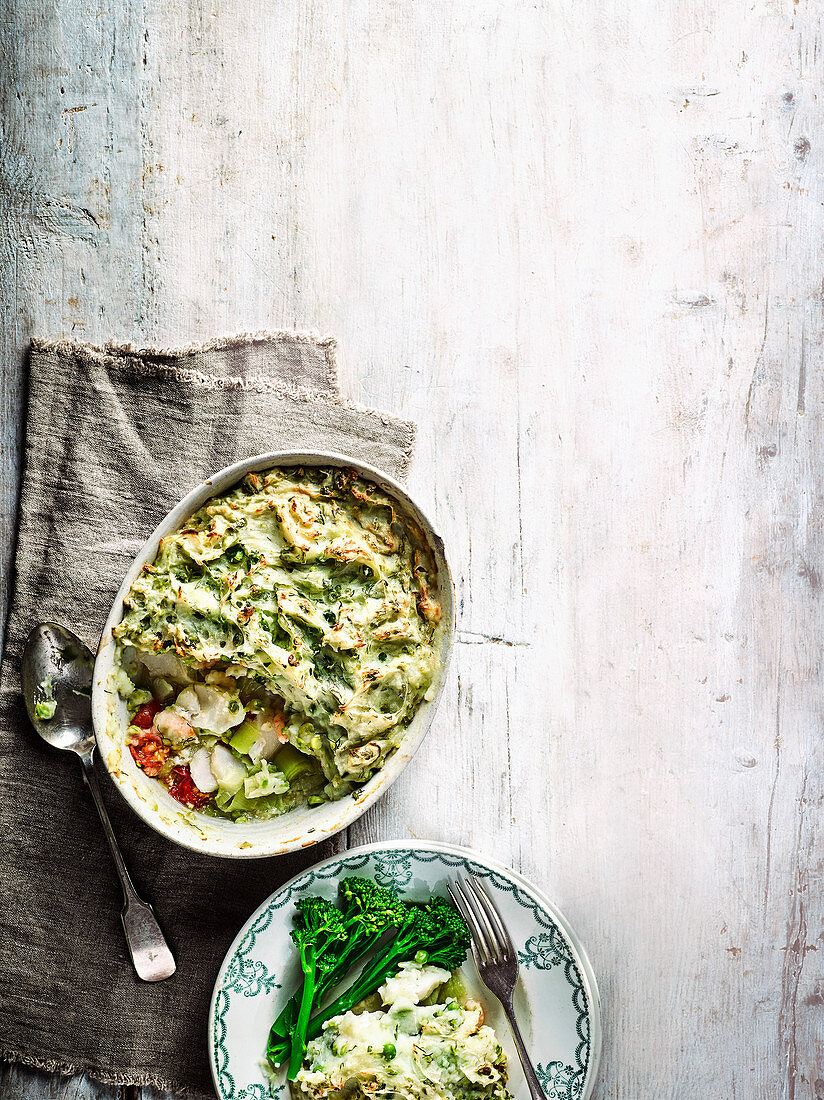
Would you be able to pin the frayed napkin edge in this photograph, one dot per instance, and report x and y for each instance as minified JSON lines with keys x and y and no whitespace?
{"x":96,"y":1073}
{"x":164,"y":362}
{"x":113,"y":349}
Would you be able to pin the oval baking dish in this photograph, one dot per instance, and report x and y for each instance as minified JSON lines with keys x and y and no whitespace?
{"x":305,"y":825}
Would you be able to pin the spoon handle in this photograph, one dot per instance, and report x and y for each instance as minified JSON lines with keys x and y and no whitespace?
{"x":150,"y":953}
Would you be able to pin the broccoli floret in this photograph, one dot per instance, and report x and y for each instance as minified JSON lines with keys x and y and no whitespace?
{"x":448,"y":936}
{"x":319,"y":919}
{"x":368,"y":912}
{"x":435,"y":933}
{"x":370,"y":906}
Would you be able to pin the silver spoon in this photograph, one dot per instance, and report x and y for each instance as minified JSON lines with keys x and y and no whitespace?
{"x":56,"y":662}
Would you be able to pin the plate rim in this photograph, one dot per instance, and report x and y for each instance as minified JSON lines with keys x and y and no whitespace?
{"x":582,"y":960}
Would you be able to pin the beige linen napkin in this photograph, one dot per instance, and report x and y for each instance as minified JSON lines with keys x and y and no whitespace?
{"x":115,"y":436}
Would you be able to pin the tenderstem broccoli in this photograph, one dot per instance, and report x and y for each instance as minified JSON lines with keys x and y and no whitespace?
{"x":434,"y":934}
{"x":371,"y":922}
{"x":319,"y":930}
{"x":367,"y":913}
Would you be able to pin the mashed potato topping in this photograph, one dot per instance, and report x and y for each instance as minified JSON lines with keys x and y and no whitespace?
{"x":298,"y":610}
{"x":422,"y":1052}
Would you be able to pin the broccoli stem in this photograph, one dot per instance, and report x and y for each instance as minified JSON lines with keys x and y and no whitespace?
{"x":318,"y":931}
{"x":284,"y":1025}
{"x":371,"y":977}
{"x":277,"y":1049}
{"x":308,"y":963}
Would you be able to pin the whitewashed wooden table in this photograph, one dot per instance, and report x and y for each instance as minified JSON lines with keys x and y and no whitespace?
{"x":581,"y":245}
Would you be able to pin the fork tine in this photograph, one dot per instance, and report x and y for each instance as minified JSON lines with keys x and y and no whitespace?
{"x":479,"y":953}
{"x":492,"y":914}
{"x":493,"y":948}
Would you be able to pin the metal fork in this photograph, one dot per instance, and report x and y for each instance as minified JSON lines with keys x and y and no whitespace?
{"x":495,"y":958}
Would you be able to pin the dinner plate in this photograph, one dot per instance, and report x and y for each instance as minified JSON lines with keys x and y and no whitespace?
{"x":556,"y":999}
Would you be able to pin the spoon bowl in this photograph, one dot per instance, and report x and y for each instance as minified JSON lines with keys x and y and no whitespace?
{"x":56,"y":664}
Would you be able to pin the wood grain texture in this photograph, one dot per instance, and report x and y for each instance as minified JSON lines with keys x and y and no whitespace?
{"x":581,"y":246}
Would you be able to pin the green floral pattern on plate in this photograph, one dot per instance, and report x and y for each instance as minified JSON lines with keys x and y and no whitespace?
{"x":394,"y":870}
{"x":545,"y":950}
{"x":559,"y":1081}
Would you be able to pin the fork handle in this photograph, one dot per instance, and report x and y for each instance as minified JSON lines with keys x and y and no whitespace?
{"x":529,"y":1070}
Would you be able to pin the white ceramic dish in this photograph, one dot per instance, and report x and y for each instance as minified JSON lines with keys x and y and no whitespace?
{"x":301,"y":827}
{"x":556,"y":998}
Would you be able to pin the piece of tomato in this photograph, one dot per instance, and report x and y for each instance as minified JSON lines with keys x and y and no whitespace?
{"x":144,"y":715}
{"x":149,"y":752}
{"x":182,"y":787}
